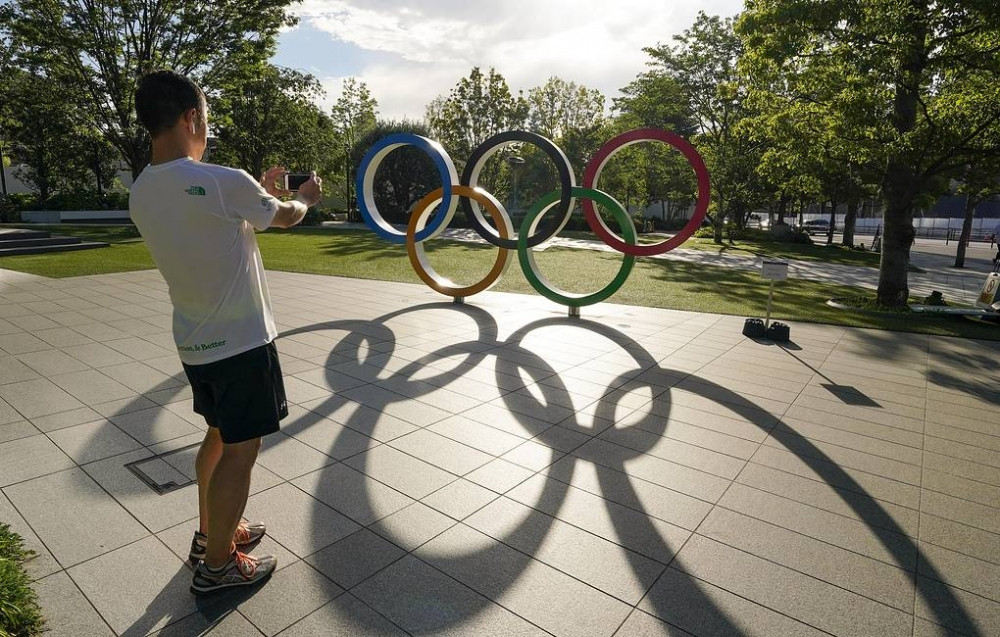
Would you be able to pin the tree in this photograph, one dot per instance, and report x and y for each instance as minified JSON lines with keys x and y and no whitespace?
{"x":101,"y":48}
{"x":354,"y":115}
{"x":477,"y":108}
{"x":405,"y":175}
{"x":558,"y":107}
{"x":266,"y":116}
{"x":704,"y":63}
{"x":928,"y":70}
{"x":47,"y":138}
{"x":979,"y":183}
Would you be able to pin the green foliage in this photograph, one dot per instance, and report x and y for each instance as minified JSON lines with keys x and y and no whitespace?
{"x":914,"y":87}
{"x":98,"y":51}
{"x":405,"y":175}
{"x":477,"y":108}
{"x":354,"y":116}
{"x":46,"y":137}
{"x":265,"y":116}
{"x":20,"y":615}
{"x":704,"y":63}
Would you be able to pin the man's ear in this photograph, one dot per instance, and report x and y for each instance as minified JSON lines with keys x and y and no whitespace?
{"x":191,"y":120}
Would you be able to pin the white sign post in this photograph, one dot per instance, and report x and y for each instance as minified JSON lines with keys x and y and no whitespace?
{"x":775,"y":271}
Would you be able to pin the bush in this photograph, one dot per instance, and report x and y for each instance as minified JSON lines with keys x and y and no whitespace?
{"x":20,"y":615}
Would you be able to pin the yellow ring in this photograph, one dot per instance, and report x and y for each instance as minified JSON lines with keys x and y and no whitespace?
{"x":418,"y":257}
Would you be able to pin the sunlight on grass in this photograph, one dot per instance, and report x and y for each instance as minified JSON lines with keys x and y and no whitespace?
{"x":654,"y":282}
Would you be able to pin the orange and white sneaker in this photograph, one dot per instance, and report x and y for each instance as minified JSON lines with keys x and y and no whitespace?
{"x":246,"y":534}
{"x":240,"y":570}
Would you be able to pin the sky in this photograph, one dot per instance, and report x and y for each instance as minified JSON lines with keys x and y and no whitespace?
{"x":410,"y":52}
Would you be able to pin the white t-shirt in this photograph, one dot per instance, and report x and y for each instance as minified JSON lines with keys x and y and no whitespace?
{"x":198,"y":221}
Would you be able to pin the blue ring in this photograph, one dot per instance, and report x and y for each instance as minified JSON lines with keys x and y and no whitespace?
{"x":366,"y":176}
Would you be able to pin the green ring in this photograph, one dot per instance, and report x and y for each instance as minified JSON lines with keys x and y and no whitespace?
{"x":527,"y":259}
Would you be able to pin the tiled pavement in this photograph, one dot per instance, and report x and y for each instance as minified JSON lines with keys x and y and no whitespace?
{"x":499,"y":469}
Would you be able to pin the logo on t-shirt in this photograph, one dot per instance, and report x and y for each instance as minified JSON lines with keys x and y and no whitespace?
{"x":196,"y":190}
{"x":265,"y":202}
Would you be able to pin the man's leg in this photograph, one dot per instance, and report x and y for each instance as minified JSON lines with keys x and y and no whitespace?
{"x":208,"y":458}
{"x":228,"y":488}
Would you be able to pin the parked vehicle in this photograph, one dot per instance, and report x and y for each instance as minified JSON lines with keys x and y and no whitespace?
{"x":816,"y":226}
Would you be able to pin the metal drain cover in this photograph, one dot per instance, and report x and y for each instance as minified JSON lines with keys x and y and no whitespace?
{"x":167,"y":471}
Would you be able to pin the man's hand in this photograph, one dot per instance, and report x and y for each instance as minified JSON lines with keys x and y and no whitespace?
{"x":311,"y":191}
{"x":269,"y":179}
{"x":291,"y":212}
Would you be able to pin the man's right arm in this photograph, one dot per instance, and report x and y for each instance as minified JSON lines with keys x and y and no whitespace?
{"x":291,"y":212}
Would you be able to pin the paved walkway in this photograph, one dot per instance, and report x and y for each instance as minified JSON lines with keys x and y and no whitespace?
{"x":499,"y":469}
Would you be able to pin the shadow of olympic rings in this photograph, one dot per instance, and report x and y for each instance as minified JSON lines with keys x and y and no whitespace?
{"x":528,"y":535}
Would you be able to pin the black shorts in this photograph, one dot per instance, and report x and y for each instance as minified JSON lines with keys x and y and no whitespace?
{"x":243,"y":395}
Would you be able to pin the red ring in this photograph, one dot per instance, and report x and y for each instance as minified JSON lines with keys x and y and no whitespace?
{"x":593,"y":173}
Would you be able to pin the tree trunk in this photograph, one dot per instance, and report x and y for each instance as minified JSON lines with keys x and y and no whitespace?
{"x":963,"y":241}
{"x":833,"y":223}
{"x":897,"y":237}
{"x":720,"y":219}
{"x":849,"y":219}
{"x":899,"y":183}
{"x":782,"y":209}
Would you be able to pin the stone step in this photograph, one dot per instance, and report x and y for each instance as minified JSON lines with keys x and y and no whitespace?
{"x":18,"y":234}
{"x":85,"y":245}
{"x":42,"y":241}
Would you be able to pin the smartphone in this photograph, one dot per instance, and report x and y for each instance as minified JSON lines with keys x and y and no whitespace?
{"x":294,"y":181}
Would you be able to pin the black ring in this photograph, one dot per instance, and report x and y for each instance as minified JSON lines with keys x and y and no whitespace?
{"x":567,"y":180}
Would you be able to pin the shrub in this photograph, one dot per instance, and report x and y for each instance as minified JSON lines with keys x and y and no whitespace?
{"x":20,"y":615}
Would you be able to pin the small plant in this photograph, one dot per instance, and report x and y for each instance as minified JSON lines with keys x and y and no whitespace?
{"x":935,"y":298}
{"x":20,"y":615}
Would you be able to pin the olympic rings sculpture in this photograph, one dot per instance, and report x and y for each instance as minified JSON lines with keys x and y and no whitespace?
{"x":533,"y":232}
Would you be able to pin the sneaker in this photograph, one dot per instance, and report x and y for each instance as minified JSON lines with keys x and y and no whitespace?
{"x":240,"y":570}
{"x":246,"y":534}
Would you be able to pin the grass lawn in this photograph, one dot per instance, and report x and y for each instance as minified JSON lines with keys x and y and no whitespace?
{"x":653,"y":282}
{"x":19,"y":612}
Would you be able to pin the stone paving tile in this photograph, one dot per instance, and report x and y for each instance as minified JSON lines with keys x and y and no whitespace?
{"x":353,"y":493}
{"x":68,"y":613}
{"x":704,"y":609}
{"x":400,"y":471}
{"x":93,"y":441}
{"x":344,"y":615}
{"x":150,"y":426}
{"x":585,"y":556}
{"x":97,"y":355}
{"x":963,"y":612}
{"x":16,"y":430}
{"x":217,"y":620}
{"x":30,"y":457}
{"x":424,"y":601}
{"x":73,"y":516}
{"x":790,"y":592}
{"x":137,"y":588}
{"x":867,"y":577}
{"x":39,"y":397}
{"x":441,"y":452}
{"x":42,"y":564}
{"x":539,"y":593}
{"x":824,"y":470}
{"x":412,"y":526}
{"x":851,"y":534}
{"x":92,"y":387}
{"x":824,"y":496}
{"x":291,"y":594}
{"x":355,"y":558}
{"x":299,"y":522}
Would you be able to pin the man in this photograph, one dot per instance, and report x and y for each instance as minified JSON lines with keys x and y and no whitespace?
{"x":198,"y":221}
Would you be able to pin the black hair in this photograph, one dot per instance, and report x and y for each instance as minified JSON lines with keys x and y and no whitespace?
{"x":162,"y":97}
